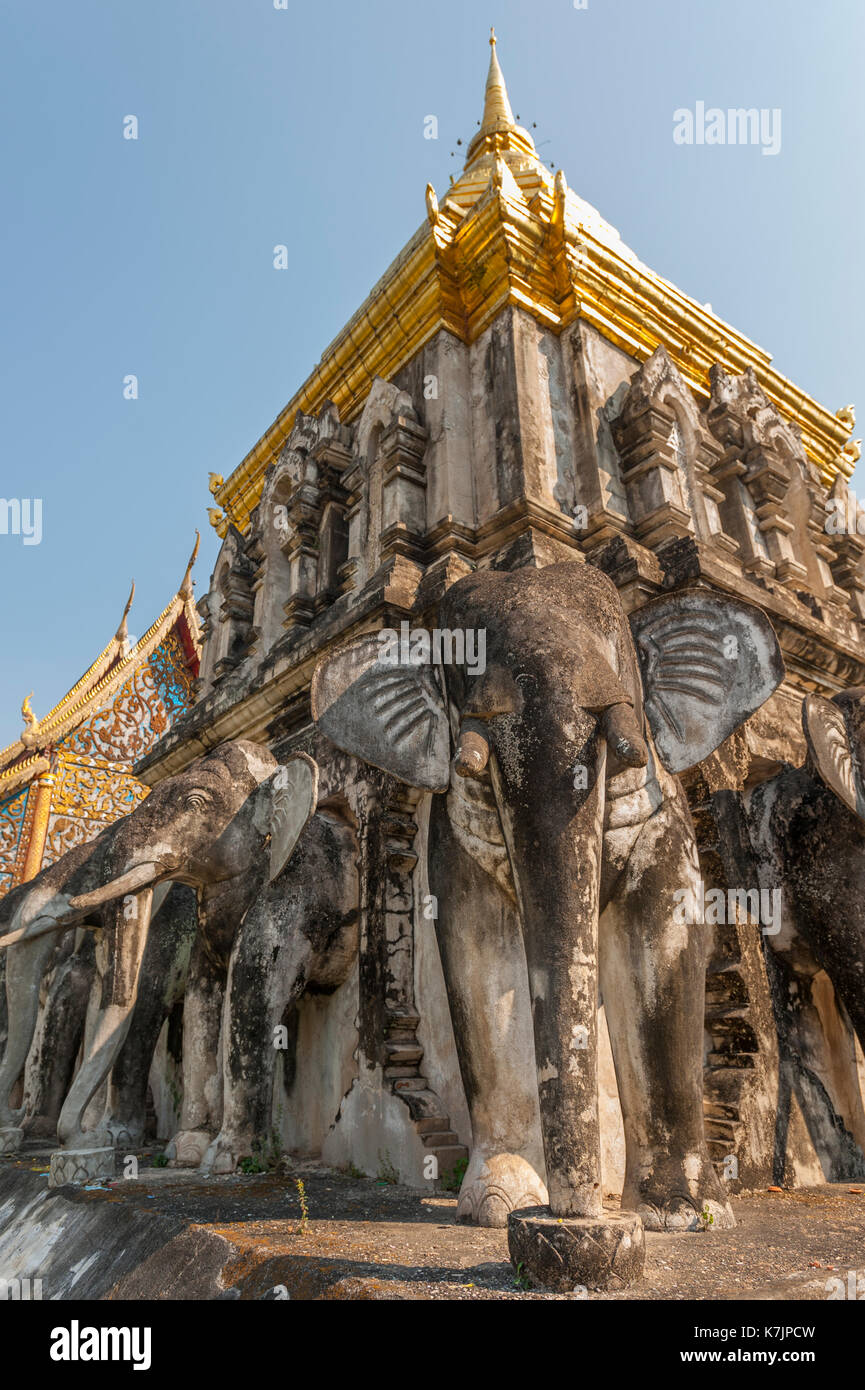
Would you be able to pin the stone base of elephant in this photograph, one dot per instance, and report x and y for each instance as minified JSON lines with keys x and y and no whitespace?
{"x":495,"y":1186}
{"x":11,"y":1139}
{"x":80,"y":1166}
{"x":187,"y":1148}
{"x":576,"y":1253}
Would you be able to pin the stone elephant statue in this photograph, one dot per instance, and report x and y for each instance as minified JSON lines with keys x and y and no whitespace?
{"x":30,"y":917}
{"x":274,"y":916}
{"x":559,"y":822}
{"x":806,"y":826}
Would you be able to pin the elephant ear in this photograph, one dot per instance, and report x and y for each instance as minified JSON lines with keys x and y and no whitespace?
{"x":829,"y":744}
{"x":293,"y":796}
{"x":387,"y":713}
{"x":708,"y":663}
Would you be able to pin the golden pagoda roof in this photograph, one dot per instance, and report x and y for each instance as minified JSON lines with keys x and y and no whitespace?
{"x":25,"y":759}
{"x":507,"y":232}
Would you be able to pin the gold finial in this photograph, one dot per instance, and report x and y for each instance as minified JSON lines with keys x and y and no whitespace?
{"x":185,"y":590}
{"x":847,"y":417}
{"x":214,"y":482}
{"x":432,"y":204}
{"x":30,"y":735}
{"x":122,"y":633}
{"x":497,"y":107}
{"x":215,"y":516}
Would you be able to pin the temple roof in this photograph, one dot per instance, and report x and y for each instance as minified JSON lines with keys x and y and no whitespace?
{"x":507,"y":232}
{"x":27,"y":757}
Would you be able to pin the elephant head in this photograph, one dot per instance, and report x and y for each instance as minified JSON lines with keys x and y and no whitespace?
{"x":556,"y":707}
{"x":206,"y":825}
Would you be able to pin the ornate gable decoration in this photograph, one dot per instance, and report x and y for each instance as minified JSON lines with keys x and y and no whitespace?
{"x":70,"y":773}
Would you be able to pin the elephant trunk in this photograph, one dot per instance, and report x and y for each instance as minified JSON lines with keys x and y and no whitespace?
{"x":119,"y":993}
{"x":554,"y":836}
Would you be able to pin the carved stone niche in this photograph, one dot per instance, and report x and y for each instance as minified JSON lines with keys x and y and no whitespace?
{"x":387,"y":485}
{"x":226,"y":612}
{"x":845,"y":536}
{"x":301,"y":503}
{"x":668,"y":459}
{"x":774,"y":503}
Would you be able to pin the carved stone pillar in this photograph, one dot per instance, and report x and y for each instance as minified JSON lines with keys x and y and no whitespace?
{"x":403,"y":446}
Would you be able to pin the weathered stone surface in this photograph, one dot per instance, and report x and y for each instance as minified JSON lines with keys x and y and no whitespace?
{"x":10,"y":1139}
{"x":564,"y":1253}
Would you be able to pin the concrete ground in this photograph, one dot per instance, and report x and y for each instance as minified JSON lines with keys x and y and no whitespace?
{"x":172,"y":1235}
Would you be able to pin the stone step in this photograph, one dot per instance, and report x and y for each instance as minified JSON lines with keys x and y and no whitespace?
{"x":724,"y":1061}
{"x":401,"y":1054}
{"x":441,"y":1139}
{"x":432,"y":1124}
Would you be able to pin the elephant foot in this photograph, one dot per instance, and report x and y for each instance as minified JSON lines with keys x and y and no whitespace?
{"x":224,"y":1154}
{"x":11,"y":1139}
{"x":495,"y":1186}
{"x":676,"y":1203}
{"x":187,"y":1148}
{"x":123,"y":1135}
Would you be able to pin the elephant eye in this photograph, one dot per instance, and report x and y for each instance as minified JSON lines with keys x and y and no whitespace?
{"x":196,"y":799}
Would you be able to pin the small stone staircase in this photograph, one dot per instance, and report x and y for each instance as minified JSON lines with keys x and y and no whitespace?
{"x":404,"y":1056}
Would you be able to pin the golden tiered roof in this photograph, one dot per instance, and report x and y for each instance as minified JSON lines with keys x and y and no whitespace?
{"x":507,"y":232}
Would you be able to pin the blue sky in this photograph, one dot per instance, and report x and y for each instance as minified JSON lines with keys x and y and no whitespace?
{"x":304,"y":126}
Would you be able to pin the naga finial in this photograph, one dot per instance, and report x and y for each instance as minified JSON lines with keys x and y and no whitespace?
{"x":31,"y":731}
{"x":185,"y":589}
{"x":122,"y":633}
{"x":847,"y":417}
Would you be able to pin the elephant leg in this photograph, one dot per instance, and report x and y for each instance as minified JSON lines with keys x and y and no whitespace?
{"x":483,"y":960}
{"x":163,"y":975}
{"x":54,"y":1052}
{"x":25,"y":963}
{"x":128,"y":922}
{"x":202,"y":1069}
{"x":270,"y":966}
{"x":653,"y":971}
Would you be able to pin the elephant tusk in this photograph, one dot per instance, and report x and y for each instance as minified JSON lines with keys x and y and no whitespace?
{"x":141,"y":877}
{"x":38,"y":927}
{"x":473,"y":752}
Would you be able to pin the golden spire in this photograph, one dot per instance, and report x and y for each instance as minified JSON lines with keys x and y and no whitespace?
{"x":498,"y":131}
{"x":497,"y":108}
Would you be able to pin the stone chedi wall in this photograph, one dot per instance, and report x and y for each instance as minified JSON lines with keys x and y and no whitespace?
{"x":519,"y":389}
